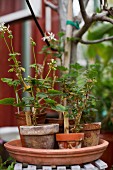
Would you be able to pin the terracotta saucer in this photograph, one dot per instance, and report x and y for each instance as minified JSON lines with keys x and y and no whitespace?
{"x":55,"y":156}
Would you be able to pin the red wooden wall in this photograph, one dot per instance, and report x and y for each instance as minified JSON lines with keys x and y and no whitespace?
{"x":7,"y":117}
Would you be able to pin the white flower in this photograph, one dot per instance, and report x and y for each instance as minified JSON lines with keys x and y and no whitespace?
{"x":46,"y":38}
{"x":1,"y":26}
{"x":52,"y":60}
{"x":50,"y":37}
{"x":4,"y":28}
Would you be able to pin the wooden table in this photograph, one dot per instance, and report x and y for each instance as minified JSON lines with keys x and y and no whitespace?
{"x":96,"y":165}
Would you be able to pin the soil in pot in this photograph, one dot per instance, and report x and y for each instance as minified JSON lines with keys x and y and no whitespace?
{"x":40,"y":137}
{"x":69,"y":141}
{"x":91,"y":134}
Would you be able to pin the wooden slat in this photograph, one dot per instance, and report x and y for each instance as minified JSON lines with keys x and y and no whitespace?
{"x":46,"y":168}
{"x":31,"y":167}
{"x":75,"y":167}
{"x":61,"y":167}
{"x":18,"y":166}
{"x":101,"y":164}
{"x":89,"y":166}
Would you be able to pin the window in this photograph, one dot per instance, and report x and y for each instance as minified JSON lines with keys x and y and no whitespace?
{"x":23,"y":13}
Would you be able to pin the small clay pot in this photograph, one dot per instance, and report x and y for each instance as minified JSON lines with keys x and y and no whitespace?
{"x":69,"y":141}
{"x":91,"y":134}
{"x":60,"y":122}
{"x":21,"y":121}
{"x":40,"y":137}
{"x":21,"y":118}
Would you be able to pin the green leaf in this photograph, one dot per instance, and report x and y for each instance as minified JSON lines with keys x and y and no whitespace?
{"x":58,"y":55}
{"x":62,"y":68}
{"x":11,"y":82}
{"x":81,"y":81}
{"x":7,"y":101}
{"x":11,"y":70}
{"x":52,"y":91}
{"x":23,"y":69}
{"x":41,"y":95}
{"x":11,"y":167}
{"x":28,"y":99}
{"x":70,"y":39}
{"x":61,"y":34}
{"x":76,"y":66}
{"x":60,"y":108}
{"x":20,"y":104}
{"x":7,"y":80}
{"x":99,"y":31}
{"x":14,"y":54}
{"x":50,"y":101}
{"x":32,"y":65}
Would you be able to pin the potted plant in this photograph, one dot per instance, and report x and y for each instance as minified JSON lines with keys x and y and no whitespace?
{"x":72,"y":93}
{"x":73,"y":97}
{"x":40,"y":90}
{"x":79,"y":101}
{"x":64,"y":81}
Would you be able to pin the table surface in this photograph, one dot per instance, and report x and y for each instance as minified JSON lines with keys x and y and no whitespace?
{"x":96,"y":165}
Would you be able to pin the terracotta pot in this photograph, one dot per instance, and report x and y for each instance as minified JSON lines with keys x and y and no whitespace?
{"x":21,"y":121}
{"x":56,"y":120}
{"x":91,"y":134}
{"x":107,"y":156}
{"x":40,"y":137}
{"x":60,"y":122}
{"x":21,"y":118}
{"x":69,"y":141}
{"x":55,"y":156}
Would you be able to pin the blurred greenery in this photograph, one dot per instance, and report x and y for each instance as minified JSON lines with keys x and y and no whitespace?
{"x":101,"y":54}
{"x":5,"y":165}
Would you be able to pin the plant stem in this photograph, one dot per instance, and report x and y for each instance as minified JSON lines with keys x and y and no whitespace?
{"x":66,"y":119}
{"x":17,"y":101}
{"x":35,"y":62}
{"x":48,"y":74}
{"x":54,"y":78}
{"x":7,"y":44}
{"x":12,"y":45}
{"x":44,"y":62}
{"x":18,"y":71}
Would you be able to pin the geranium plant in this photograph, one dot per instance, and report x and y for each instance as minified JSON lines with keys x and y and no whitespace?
{"x":41,"y":92}
{"x":77,"y":86}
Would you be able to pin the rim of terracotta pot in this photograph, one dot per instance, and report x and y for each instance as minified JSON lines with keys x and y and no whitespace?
{"x":92,"y":126}
{"x":22,"y":113}
{"x":16,"y":146}
{"x":55,"y":156}
{"x":70,"y":136}
{"x":42,"y":129}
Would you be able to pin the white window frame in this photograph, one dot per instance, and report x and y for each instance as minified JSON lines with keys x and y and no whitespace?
{"x":24,"y":13}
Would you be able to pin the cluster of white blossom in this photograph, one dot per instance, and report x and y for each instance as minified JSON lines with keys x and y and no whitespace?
{"x":49,"y":37}
{"x":4,"y":28}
